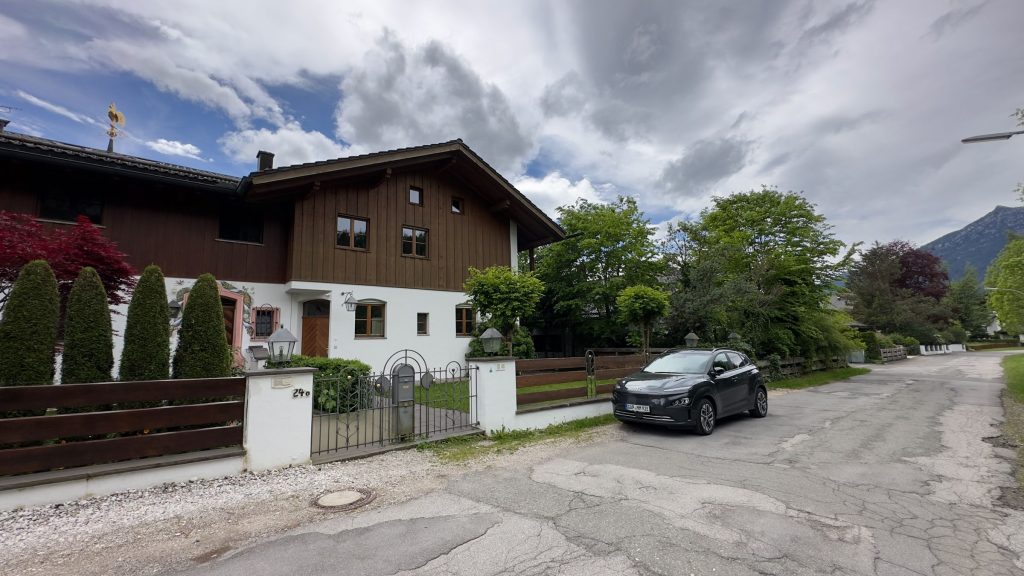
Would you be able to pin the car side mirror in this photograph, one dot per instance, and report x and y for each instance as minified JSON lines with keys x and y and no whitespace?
{"x":717,"y":371}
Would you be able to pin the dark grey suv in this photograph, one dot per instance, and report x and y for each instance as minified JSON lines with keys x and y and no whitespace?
{"x":691,"y":389}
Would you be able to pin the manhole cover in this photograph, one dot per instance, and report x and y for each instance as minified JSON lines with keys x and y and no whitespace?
{"x":346,"y":499}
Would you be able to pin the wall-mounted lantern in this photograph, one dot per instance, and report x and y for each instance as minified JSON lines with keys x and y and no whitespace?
{"x":282,"y":345}
{"x":691,"y":340}
{"x":350,"y":302}
{"x":491,"y":339}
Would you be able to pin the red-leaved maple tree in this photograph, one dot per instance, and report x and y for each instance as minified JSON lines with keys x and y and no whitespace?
{"x":67,"y":250}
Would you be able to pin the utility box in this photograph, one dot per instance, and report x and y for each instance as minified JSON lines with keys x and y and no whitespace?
{"x":403,"y":401}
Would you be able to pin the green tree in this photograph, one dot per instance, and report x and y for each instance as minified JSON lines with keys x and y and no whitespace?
{"x":147,"y":334}
{"x":503,"y":295}
{"x":897,"y":288}
{"x":966,"y":299}
{"x":608,"y":247}
{"x":762,"y":263}
{"x":642,"y":306}
{"x":28,"y":328}
{"x":202,"y":350}
{"x":88,"y":338}
{"x":1006,"y":275}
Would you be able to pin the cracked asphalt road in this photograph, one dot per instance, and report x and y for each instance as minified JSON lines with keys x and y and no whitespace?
{"x":885,"y":474}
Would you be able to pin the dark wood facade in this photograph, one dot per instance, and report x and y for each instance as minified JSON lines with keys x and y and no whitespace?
{"x":476,"y":237}
{"x":172,"y":226}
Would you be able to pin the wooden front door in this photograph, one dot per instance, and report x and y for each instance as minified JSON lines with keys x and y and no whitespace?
{"x":316,"y":321}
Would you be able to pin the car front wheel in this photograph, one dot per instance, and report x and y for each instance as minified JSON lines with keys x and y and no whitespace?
{"x":760,"y":409}
{"x":705,"y":417}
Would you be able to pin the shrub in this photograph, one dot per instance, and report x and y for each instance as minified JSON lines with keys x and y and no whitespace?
{"x":28,"y":329}
{"x":912,"y":345}
{"x":88,"y":339}
{"x":871,"y":348}
{"x":202,"y":350}
{"x":885,"y":341}
{"x":335,"y":385}
{"x":147,"y":335}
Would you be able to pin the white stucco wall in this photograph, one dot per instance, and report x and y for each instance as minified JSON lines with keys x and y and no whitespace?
{"x":439,"y":347}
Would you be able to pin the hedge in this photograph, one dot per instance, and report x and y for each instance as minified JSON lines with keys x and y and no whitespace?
{"x":28,"y":328}
{"x":147,"y":334}
{"x":202,"y":350}
{"x":336,"y":383}
{"x":88,"y":338}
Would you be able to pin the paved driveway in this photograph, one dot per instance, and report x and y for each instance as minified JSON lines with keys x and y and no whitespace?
{"x":885,"y":474}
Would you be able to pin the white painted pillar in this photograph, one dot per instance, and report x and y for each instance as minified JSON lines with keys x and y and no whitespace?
{"x":513,"y":241}
{"x":495,"y":392}
{"x":278,"y":418}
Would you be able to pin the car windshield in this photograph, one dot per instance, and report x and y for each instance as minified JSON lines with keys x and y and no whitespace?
{"x":679,"y":363}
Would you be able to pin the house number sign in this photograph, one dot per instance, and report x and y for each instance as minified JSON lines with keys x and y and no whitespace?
{"x":300,"y":393}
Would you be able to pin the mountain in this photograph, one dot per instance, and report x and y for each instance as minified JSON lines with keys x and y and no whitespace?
{"x":979,"y":242}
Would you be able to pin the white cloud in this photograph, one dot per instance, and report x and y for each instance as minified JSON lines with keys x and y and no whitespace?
{"x":554,"y":190}
{"x":175,"y":148}
{"x":290,"y":144}
{"x":57,"y":109}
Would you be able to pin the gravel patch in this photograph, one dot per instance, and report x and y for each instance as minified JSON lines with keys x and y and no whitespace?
{"x":174,"y":526}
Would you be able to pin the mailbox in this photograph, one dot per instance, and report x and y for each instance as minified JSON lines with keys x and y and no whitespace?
{"x":403,"y":400}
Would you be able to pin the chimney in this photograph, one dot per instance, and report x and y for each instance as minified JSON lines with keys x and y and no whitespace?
{"x":264,"y":160}
{"x":3,"y":124}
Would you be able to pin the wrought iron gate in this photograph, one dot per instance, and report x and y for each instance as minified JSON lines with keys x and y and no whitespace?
{"x":406,"y":402}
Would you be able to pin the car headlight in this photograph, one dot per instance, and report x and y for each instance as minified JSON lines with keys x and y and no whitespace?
{"x":679,"y":401}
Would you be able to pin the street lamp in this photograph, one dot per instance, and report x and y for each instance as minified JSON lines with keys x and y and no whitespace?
{"x":991,"y":137}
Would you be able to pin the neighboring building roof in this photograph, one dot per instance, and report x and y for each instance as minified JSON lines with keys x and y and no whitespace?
{"x":536,"y":227}
{"x":14,"y":145}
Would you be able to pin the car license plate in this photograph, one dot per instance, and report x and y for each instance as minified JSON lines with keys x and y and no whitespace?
{"x":638,"y":408}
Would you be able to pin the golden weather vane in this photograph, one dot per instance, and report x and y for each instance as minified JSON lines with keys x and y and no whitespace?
{"x":116,"y":118}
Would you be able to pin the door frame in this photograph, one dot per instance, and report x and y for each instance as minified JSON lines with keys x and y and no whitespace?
{"x":302,"y":325}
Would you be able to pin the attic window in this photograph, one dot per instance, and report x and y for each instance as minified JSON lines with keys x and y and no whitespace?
{"x":416,"y":196}
{"x":457,"y":206}
{"x":65,"y":207}
{"x":241,"y":224}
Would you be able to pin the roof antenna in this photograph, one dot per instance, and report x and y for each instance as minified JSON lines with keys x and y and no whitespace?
{"x":116,"y":117}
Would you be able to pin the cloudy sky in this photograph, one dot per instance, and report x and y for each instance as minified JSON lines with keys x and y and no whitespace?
{"x":860,"y":105}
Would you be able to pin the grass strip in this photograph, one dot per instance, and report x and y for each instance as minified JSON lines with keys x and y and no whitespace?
{"x":1013,"y":403}
{"x":452,"y":395}
{"x":817,"y":378}
{"x":506,"y":441}
{"x":560,"y":386}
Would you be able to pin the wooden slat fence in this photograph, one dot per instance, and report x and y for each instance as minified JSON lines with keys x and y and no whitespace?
{"x":545,"y":371}
{"x":212,"y":420}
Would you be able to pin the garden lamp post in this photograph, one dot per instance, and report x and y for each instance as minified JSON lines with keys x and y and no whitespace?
{"x":282,"y":345}
{"x":174,"y":308}
{"x":491,"y":339}
{"x":691,"y":340}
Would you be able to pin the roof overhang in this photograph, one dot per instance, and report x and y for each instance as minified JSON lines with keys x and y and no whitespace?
{"x":454,"y":159}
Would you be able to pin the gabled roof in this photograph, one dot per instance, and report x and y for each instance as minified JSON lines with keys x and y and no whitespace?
{"x":535,"y":227}
{"x":26,"y":147}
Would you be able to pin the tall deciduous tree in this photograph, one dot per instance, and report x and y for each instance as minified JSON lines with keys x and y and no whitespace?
{"x":28,"y":328}
{"x":609,"y":247}
{"x":897,"y":288}
{"x":147,"y":334}
{"x":202,"y":350}
{"x":762,"y":263}
{"x":88,"y":338}
{"x":1006,"y":275}
{"x":503,"y":295}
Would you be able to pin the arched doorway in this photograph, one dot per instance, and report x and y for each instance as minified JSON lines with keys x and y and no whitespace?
{"x":316,"y":320}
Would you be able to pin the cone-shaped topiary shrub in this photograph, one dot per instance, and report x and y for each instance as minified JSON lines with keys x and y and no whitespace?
{"x":28,"y":329}
{"x":147,"y":335}
{"x":202,"y":350}
{"x":88,"y":339}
